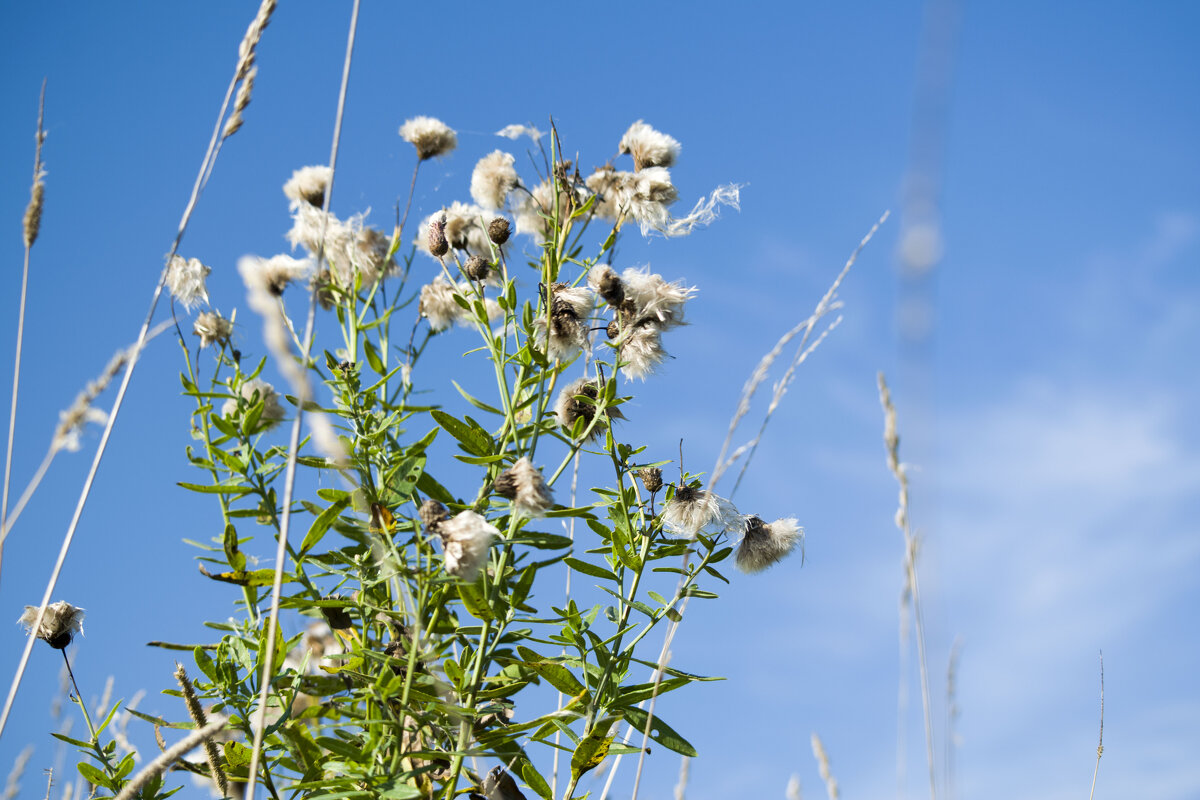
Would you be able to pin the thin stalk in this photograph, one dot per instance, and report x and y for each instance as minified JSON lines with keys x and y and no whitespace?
{"x":33,"y":218}
{"x":1100,"y":746}
{"x":289,"y":483}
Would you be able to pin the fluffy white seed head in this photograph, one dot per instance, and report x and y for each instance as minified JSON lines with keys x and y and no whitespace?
{"x":493,"y":178}
{"x":185,"y":279}
{"x":438,"y":305}
{"x":693,"y":510}
{"x":271,"y":275}
{"x":654,"y":300}
{"x":211,"y":327}
{"x":649,"y":148}
{"x":430,"y":136}
{"x":465,"y":542}
{"x":60,"y":622}
{"x":523,"y":484}
{"x":272,"y":412}
{"x":307,"y":186}
{"x":641,"y":348}
{"x":763,"y":545}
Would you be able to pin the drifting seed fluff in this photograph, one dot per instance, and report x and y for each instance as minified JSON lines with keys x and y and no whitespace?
{"x":60,"y":622}
{"x":692,"y":510}
{"x":430,"y":136}
{"x":642,"y":351}
{"x":465,"y":542}
{"x":578,"y":401}
{"x":653,"y":300}
{"x":307,"y":186}
{"x":649,"y":148}
{"x":704,"y":212}
{"x":524,"y":485}
{"x":272,"y":412}
{"x":211,"y":327}
{"x":271,"y":275}
{"x":493,"y":178}
{"x":649,"y":196}
{"x":185,"y":279}
{"x":763,"y":545}
{"x":515,"y":132}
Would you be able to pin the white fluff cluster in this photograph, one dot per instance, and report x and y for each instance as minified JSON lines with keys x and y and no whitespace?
{"x":272,"y":412}
{"x":645,"y":306}
{"x":515,"y":132}
{"x":535,"y":210}
{"x":649,"y":148}
{"x":430,"y":136}
{"x":271,"y":275}
{"x":493,"y":178}
{"x":60,"y":622}
{"x":524,"y":485}
{"x":763,"y":545}
{"x":438,"y":306}
{"x":307,"y":186}
{"x":350,"y":247}
{"x":464,"y":229}
{"x":465,"y":542}
{"x":185,"y":279}
{"x":211,"y":327}
{"x":565,"y":334}
{"x":693,"y":510}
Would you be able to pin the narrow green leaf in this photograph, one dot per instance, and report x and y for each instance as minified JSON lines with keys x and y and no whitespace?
{"x":205,"y":662}
{"x":472,"y":438}
{"x":256,"y":577}
{"x":475,"y":601}
{"x":217,"y":489}
{"x":586,"y":568}
{"x":94,"y":776}
{"x":535,"y":781}
{"x":321,"y":524}
{"x":591,"y":751}
{"x":235,"y":557}
{"x":237,"y":754}
{"x":660,"y":731}
{"x":482,"y":406}
{"x":554,"y":673}
{"x":372,"y":354}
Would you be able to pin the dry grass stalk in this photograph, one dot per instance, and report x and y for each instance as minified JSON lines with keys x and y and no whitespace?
{"x":831,"y":784}
{"x":952,"y":712}
{"x":685,"y":764}
{"x":32,"y":224}
{"x":196,"y":712}
{"x":912,"y":592}
{"x":289,"y":484}
{"x":171,"y":755}
{"x":827,"y":304}
{"x":1100,"y":746}
{"x":13,"y":785}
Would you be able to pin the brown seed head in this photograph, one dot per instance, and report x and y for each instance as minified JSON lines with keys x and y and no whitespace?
{"x":438,"y":245}
{"x":499,"y":230}
{"x":477,"y":268}
{"x":432,"y":514}
{"x":651,"y":479}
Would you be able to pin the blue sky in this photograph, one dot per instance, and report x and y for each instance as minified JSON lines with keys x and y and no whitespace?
{"x":1049,"y":415}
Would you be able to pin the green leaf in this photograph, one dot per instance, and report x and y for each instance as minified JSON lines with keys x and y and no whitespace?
{"x":70,"y":741}
{"x":554,"y":673}
{"x":235,"y":557}
{"x":400,"y":485}
{"x":217,"y":489}
{"x":594,"y":570}
{"x":472,"y":438}
{"x":535,"y":781}
{"x":431,"y":487}
{"x":475,"y":600}
{"x":256,"y":577}
{"x":341,"y":748}
{"x":94,"y":776}
{"x":205,"y":662}
{"x":237,"y":754}
{"x":660,"y":731}
{"x":372,"y":354}
{"x":321,"y":524}
{"x":591,"y":751}
{"x":542,"y":541}
{"x":482,"y":406}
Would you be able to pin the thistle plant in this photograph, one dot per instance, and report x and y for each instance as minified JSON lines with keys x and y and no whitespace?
{"x":432,"y":636}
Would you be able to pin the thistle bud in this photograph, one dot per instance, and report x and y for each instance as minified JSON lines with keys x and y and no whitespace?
{"x":432,"y":514}
{"x":477,"y":268}
{"x":651,"y":479}
{"x":499,"y":231}
{"x":613,"y":330}
{"x":438,"y":246}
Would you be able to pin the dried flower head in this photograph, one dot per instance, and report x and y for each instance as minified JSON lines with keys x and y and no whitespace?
{"x":493,"y":178}
{"x":692,"y":510}
{"x":649,"y":148}
{"x":641,"y":351}
{"x":435,"y":236}
{"x":477,"y":268}
{"x":257,"y":390}
{"x":430,"y":136}
{"x":570,"y":308}
{"x":432,"y":514}
{"x":652,"y":300}
{"x":465,"y":541}
{"x":32,"y":222}
{"x":60,"y":622}
{"x":579,"y":401}
{"x":211,"y":327}
{"x":651,"y":478}
{"x":308,"y":186}
{"x":536,"y":210}
{"x":271,"y":275}
{"x":763,"y":545}
{"x":524,"y":485}
{"x":649,"y":196}
{"x":613,"y":190}
{"x":499,"y":231}
{"x":606,"y":283}
{"x":185,"y":279}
